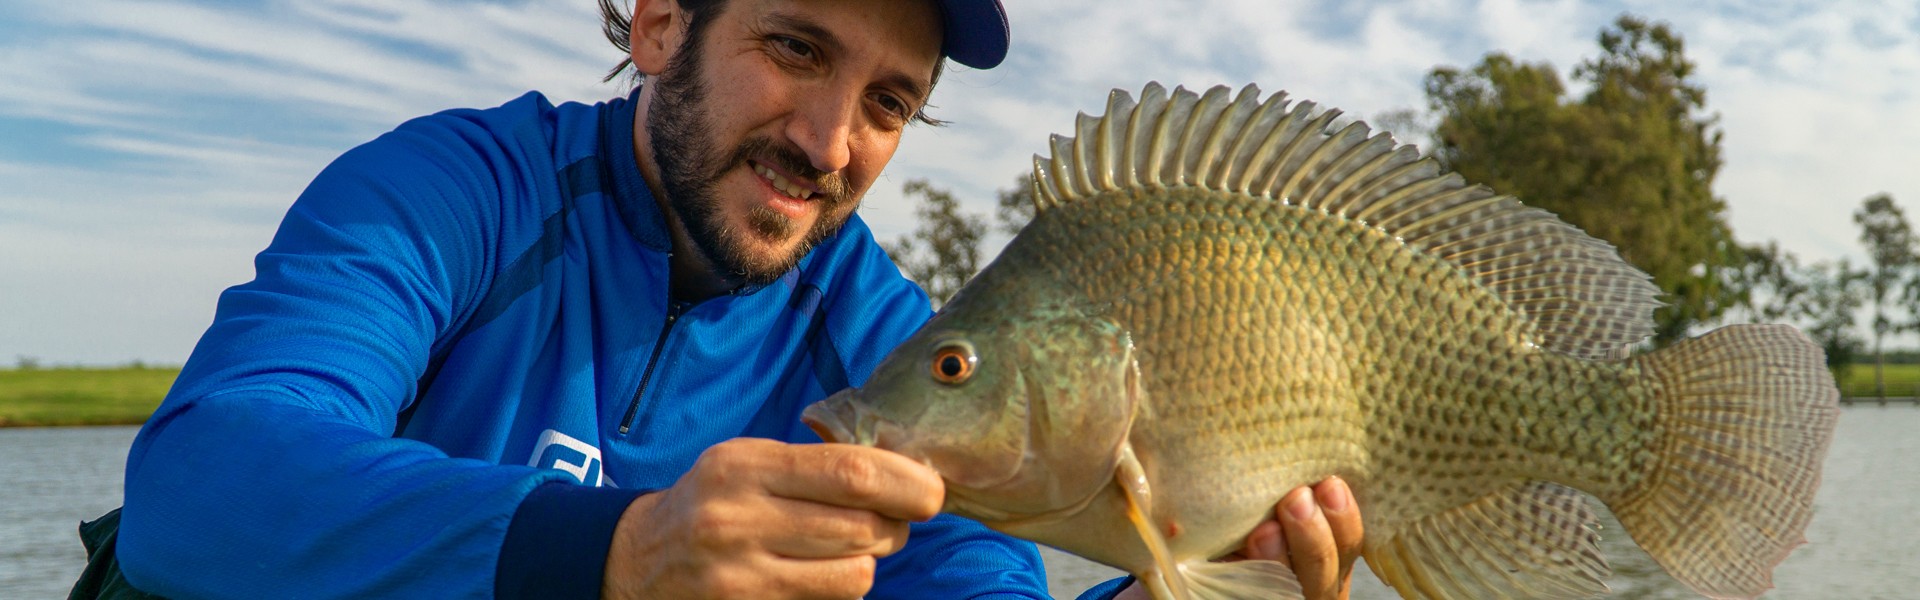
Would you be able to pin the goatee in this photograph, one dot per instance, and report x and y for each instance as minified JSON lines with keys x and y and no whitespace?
{"x":681,"y":135}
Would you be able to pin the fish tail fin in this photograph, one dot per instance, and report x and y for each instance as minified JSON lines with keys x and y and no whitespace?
{"x":1745,"y":417}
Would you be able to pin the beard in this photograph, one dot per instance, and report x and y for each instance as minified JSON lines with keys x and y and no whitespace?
{"x":680,"y":131}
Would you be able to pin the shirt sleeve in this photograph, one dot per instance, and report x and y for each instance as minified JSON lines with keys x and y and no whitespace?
{"x":1107,"y":589}
{"x":271,"y":465}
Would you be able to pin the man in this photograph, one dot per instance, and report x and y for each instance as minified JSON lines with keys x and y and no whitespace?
{"x":463,"y":321}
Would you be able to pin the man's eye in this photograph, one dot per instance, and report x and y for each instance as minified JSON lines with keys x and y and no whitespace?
{"x":894,"y":106}
{"x":794,"y":46}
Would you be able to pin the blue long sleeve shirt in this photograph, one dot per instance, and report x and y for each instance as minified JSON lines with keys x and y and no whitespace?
{"x":458,"y":362}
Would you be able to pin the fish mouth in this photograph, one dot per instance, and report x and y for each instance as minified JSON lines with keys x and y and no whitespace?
{"x":840,"y":420}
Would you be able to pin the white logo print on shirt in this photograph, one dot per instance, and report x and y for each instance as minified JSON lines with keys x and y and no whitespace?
{"x":560,"y":451}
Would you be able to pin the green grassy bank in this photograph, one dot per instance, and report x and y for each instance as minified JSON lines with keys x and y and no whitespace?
{"x":82,"y":396}
{"x":1902,"y":381}
{"x":126,"y":395}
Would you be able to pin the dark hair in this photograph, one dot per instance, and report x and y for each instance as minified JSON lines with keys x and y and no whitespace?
{"x":617,"y":25}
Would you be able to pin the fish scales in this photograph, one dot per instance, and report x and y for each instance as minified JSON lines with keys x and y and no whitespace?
{"x":1221,"y":299}
{"x":1370,"y":386}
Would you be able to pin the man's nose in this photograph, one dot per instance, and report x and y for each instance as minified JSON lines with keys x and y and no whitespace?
{"x":823,"y":128}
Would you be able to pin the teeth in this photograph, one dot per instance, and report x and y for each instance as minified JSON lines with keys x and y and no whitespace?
{"x":783,"y":184}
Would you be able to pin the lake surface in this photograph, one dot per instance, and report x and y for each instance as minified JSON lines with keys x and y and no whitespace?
{"x":1864,"y":539}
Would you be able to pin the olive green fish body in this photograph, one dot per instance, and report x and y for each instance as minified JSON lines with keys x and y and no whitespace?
{"x":1221,"y":299}
{"x":1309,"y":346}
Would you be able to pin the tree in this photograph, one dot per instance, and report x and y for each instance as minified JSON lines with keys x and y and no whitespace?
{"x":944,"y":252}
{"x":1016,"y":205}
{"x":1768,"y":284}
{"x":1631,"y":162}
{"x":1834,"y":296}
{"x":1403,"y":123}
{"x":1890,"y":245}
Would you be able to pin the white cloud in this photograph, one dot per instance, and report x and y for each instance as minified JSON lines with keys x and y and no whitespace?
{"x":201,"y":121}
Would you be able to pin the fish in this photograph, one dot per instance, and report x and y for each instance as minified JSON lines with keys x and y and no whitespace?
{"x":1221,"y":298}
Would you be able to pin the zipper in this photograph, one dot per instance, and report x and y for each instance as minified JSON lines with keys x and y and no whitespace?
{"x":674,"y":309}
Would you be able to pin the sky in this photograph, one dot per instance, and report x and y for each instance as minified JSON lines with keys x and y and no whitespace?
{"x":148,"y":149}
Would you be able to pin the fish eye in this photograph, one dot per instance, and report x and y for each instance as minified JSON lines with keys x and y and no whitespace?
{"x":953,"y":363}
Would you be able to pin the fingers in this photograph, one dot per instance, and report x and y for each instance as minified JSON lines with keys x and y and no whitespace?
{"x":821,"y":578}
{"x":764,"y":519}
{"x":1265,"y":543}
{"x":1309,"y":541}
{"x":814,"y":530}
{"x":856,"y":477}
{"x":1343,"y":518}
{"x":1322,"y":534}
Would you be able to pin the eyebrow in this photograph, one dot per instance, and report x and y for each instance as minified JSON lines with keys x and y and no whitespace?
{"x":832,"y":44}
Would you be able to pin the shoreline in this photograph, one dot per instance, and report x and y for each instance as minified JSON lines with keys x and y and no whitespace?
{"x":8,"y":424}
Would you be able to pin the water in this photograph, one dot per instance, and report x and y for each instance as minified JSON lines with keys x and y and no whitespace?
{"x":50,"y":480}
{"x":1865,"y":535}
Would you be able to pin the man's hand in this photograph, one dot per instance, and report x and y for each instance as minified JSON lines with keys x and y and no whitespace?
{"x":1316,"y":531}
{"x":763,"y":519}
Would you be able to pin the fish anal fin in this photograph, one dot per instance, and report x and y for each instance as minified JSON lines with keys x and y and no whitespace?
{"x":1532,"y":539}
{"x":1242,"y":580}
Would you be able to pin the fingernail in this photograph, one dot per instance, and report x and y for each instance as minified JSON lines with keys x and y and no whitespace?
{"x":1333,"y":495}
{"x":1300,"y":507}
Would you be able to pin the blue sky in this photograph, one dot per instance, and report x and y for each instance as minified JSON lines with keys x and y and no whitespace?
{"x":148,"y":149}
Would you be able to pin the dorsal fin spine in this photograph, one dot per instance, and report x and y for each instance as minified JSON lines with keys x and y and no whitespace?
{"x":1349,"y":202}
{"x":1339,"y":172}
{"x":1220,"y":141}
{"x":1064,"y":171}
{"x":1579,"y":296}
{"x":1391,"y":177}
{"x":1085,"y":135}
{"x":1042,"y":186}
{"x":1042,"y":197}
{"x":1056,"y":180}
{"x":1311,"y":160}
{"x":1235,"y":152}
{"x":1185,"y":159}
{"x":1245,"y":145}
{"x":1153,"y":101}
{"x":1295,"y":141}
{"x":1157,"y":145}
{"x":1110,"y":152}
{"x":1263,"y":155}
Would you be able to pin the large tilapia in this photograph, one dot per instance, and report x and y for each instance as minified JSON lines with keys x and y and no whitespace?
{"x":1222,"y":299}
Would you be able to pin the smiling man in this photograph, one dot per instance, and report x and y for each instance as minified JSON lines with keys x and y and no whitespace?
{"x":560,"y":351}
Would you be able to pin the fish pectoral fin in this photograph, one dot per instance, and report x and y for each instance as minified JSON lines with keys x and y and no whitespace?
{"x":1164,"y":580}
{"x":1532,"y":539}
{"x":1243,"y":580}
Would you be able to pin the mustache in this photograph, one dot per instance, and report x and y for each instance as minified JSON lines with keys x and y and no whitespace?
{"x":830,"y":188}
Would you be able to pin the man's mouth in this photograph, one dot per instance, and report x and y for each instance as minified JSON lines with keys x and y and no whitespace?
{"x":780,"y":182}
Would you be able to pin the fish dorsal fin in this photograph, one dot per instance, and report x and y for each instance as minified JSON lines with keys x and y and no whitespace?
{"x":1583,"y":299}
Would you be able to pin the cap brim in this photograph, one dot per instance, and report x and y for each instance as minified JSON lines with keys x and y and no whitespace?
{"x":976,"y":32}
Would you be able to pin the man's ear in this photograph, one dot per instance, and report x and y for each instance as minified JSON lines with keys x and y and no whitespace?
{"x":657,"y":29}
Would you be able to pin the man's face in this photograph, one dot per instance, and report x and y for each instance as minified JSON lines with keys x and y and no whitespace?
{"x":773,"y":123}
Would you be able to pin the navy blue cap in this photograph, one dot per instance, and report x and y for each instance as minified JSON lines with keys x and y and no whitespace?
{"x":976,"y":32}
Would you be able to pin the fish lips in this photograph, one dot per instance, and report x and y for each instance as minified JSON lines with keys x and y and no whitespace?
{"x":838,"y":419}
